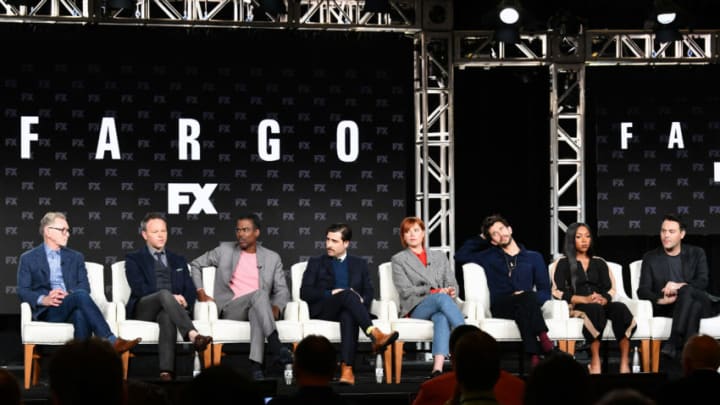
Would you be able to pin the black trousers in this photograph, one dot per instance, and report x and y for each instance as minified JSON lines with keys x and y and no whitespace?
{"x":690,"y":306}
{"x":596,"y":317}
{"x":527,"y":314}
{"x":161,"y":307}
{"x":345,"y":307}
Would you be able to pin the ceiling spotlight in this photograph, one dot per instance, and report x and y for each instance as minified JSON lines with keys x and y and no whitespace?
{"x":509,"y":12}
{"x":666,"y":18}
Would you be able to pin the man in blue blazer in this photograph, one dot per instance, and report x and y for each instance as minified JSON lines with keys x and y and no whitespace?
{"x":162,"y":291}
{"x":337,"y":287}
{"x":53,"y":280}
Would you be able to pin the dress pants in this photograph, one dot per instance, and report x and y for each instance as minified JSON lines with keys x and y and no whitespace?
{"x":345,"y":307}
{"x":691,"y":305}
{"x":79,"y":309}
{"x":162,"y":307}
{"x":254,"y":307}
{"x":527,"y":314}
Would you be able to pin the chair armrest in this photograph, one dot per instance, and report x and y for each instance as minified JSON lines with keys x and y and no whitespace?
{"x":469,"y":309}
{"x":292,"y":311}
{"x":205,"y":311}
{"x":641,"y":309}
{"x":556,"y":309}
{"x":120,"y":311}
{"x":392,"y":310}
{"x":381,"y":309}
{"x":303,"y":311}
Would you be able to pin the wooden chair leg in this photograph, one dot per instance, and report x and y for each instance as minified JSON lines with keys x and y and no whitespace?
{"x":217,"y":353}
{"x":28,"y":361}
{"x":398,"y":356}
{"x":125,"y":357}
{"x":571,"y":347}
{"x":36,"y":369}
{"x":655,"y":352}
{"x":645,"y":354}
{"x":562,"y":345}
{"x":207,"y":357}
{"x":387,"y":359}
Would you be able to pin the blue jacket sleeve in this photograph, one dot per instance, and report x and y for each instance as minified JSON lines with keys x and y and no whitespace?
{"x":469,"y":250}
{"x":542,"y":279}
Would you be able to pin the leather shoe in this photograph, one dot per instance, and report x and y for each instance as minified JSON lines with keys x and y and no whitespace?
{"x":256,"y":371}
{"x":121,"y":345}
{"x":201,"y":342}
{"x":434,"y":374}
{"x":381,"y":340}
{"x":285,"y":357}
{"x":668,"y":349}
{"x":166,"y":376}
{"x":346,"y":375}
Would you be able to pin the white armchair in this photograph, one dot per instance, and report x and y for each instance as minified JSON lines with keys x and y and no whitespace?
{"x":231,"y":331}
{"x":147,"y":330}
{"x":331,"y":329}
{"x":36,"y":333}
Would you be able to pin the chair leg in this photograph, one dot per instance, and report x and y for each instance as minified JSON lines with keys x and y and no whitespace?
{"x":655,"y":359}
{"x":645,"y":354}
{"x":36,"y":369}
{"x":125,"y":357}
{"x":387,"y":359}
{"x":398,"y":355}
{"x":28,"y":361}
{"x":571,"y":347}
{"x":207,"y":357}
{"x":562,"y":345}
{"x":217,"y":353}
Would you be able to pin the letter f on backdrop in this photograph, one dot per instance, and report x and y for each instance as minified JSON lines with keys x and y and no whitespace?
{"x":179,"y":194}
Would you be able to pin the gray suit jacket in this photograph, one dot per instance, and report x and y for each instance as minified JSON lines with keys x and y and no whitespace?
{"x":225,"y":258}
{"x":413,"y":281}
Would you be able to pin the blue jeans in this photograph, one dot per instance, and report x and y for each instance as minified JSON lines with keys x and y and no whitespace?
{"x":80,"y":310}
{"x":445,"y":316}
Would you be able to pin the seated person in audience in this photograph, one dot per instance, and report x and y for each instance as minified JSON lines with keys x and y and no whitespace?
{"x":53,"y":280}
{"x":427,"y":287}
{"x":162,"y":291}
{"x":337,"y":287}
{"x":9,"y":388}
{"x":624,"y":396}
{"x":518,"y":281}
{"x":509,"y":389}
{"x":674,"y":278}
{"x":558,"y":380}
{"x":222,"y":385}
{"x":585,"y":282}
{"x":249,"y":286}
{"x":477,"y":368}
{"x":313,"y":368}
{"x":700,"y":380}
{"x":87,"y":372}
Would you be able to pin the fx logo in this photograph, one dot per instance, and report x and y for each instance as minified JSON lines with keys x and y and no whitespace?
{"x":178,"y":194}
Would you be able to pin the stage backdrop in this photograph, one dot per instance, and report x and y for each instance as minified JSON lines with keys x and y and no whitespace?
{"x":302,"y":129}
{"x":657,"y":134}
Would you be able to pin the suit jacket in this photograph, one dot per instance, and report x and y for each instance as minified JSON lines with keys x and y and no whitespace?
{"x":140,"y":272}
{"x":33,"y":275}
{"x":225,"y":257}
{"x":413,"y":280}
{"x":319,"y":280}
{"x":654,"y":273}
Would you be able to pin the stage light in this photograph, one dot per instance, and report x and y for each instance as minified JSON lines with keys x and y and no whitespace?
{"x":509,"y":11}
{"x":667,"y":20}
{"x":665,"y":12}
{"x":376,"y":6}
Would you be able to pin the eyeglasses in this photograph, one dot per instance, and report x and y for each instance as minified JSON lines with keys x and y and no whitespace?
{"x":64,"y":231}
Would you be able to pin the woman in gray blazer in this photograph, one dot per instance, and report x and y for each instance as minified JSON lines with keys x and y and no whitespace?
{"x":427,"y":287}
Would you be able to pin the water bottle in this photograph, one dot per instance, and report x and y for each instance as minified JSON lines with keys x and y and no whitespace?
{"x":288,"y":374}
{"x":636,"y":361}
{"x":379,"y":372}
{"x":196,"y":365}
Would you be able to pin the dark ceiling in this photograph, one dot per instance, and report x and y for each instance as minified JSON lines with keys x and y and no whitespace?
{"x":596,"y":14}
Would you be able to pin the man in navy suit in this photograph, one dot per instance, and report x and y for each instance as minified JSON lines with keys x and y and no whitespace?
{"x":162,"y":291}
{"x":53,"y":280}
{"x":337,"y":287}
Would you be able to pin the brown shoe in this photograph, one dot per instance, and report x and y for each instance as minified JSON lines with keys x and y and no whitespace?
{"x":381,"y":340}
{"x":166,"y":376}
{"x":201,"y":342}
{"x":346,"y":374}
{"x":121,"y":345}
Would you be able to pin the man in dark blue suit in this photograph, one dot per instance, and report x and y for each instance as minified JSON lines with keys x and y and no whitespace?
{"x":162,"y":291}
{"x":53,"y":280}
{"x":337,"y":287}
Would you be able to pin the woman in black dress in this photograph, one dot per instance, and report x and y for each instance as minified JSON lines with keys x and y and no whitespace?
{"x":585,"y":282}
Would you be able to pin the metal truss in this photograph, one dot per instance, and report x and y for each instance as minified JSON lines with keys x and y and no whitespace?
{"x":434,"y":143}
{"x":567,"y":149}
{"x":404,"y":15}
